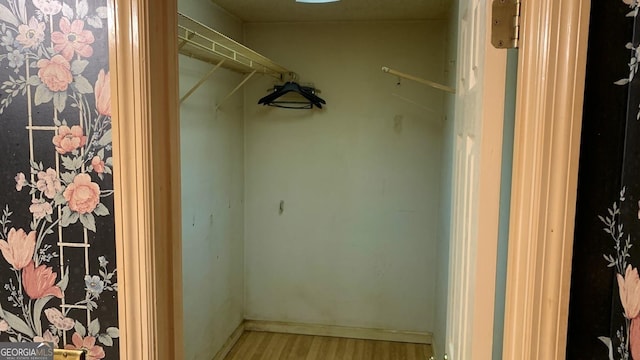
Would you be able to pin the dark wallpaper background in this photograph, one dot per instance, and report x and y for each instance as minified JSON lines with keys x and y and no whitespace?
{"x":606,"y":250}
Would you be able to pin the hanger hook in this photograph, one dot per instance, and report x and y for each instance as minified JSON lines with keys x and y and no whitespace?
{"x":292,"y":76}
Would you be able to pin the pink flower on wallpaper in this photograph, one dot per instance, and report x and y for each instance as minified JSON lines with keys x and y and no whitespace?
{"x":40,"y":281}
{"x":49,"y":183}
{"x":93,"y":351}
{"x":634,"y":338}
{"x":55,"y":73}
{"x":4,"y":326}
{"x":18,"y":248}
{"x":48,"y":7}
{"x":21,"y":181}
{"x":102,"y":91}
{"x":97,"y":164}
{"x":629,"y":287}
{"x":58,"y":320}
{"x":47,"y":336}
{"x":31,"y":35}
{"x":72,"y":39}
{"x":40,"y":209}
{"x":82,"y":195}
{"x":69,"y":139}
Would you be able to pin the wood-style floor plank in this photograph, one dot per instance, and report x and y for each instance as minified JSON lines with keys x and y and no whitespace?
{"x":239,"y":347}
{"x":301,"y":347}
{"x":263,"y":342}
{"x":255,"y":345}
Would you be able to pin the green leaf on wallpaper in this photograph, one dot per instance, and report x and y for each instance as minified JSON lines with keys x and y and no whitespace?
{"x":34,"y":80}
{"x":7,"y":16}
{"x":68,"y":217}
{"x":43,"y":95}
{"x":88,"y":221}
{"x":101,"y":210}
{"x":16,"y":323}
{"x":80,"y":329}
{"x":105,"y":139}
{"x":67,"y":11}
{"x":102,"y":12}
{"x":114,"y":332}
{"x":78,"y":66}
{"x":94,"y":327}
{"x":68,"y":164}
{"x":37,"y":312}
{"x":82,"y":9}
{"x":77,"y":162}
{"x":41,"y":55}
{"x":68,"y":177}
{"x":82,"y":85}
{"x":22,"y":11}
{"x":64,"y":280}
{"x":105,"y":340}
{"x":60,"y":100}
{"x":95,"y":21}
{"x":36,"y":166}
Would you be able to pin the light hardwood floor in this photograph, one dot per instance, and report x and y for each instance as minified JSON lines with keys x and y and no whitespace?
{"x":254,"y":345}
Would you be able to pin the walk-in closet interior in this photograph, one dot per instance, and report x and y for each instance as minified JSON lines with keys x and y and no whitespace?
{"x":331,"y":218}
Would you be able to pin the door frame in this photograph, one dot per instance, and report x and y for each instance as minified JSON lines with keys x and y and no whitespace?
{"x":551,"y":76}
{"x":147,"y":177}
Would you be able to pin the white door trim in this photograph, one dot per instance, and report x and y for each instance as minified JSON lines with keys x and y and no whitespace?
{"x":551,"y":73}
{"x":146,"y":139}
{"x":479,"y":122}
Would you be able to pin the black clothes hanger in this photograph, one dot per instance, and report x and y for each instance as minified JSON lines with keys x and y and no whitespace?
{"x":307,"y":93}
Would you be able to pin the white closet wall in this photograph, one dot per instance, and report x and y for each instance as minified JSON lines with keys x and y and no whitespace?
{"x":212,"y":196}
{"x":357,"y":242}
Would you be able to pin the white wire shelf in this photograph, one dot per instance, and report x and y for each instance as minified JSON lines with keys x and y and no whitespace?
{"x":200,"y":42}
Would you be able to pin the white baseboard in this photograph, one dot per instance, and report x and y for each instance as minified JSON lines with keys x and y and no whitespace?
{"x":339,"y":331}
{"x":228,"y":345}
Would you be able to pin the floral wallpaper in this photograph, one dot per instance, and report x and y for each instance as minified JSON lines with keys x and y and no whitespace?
{"x":621,"y":220}
{"x":58,"y":280}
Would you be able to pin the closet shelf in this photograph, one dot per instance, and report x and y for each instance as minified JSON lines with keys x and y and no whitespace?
{"x":198,"y":41}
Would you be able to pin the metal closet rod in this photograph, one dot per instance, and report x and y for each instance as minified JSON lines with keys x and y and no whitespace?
{"x":433,"y":84}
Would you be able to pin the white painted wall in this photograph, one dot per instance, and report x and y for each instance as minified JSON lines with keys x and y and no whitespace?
{"x":212,"y":196}
{"x":442,"y":272}
{"x":361,"y":181}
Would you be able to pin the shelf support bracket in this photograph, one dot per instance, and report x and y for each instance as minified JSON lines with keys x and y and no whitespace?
{"x":246,"y":78}
{"x":190,"y":35}
{"x":433,"y":84}
{"x":199,"y":83}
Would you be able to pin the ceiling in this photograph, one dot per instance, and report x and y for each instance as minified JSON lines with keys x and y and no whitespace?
{"x":344,"y":10}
